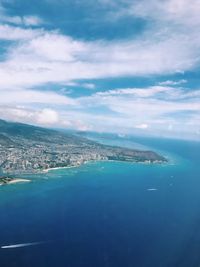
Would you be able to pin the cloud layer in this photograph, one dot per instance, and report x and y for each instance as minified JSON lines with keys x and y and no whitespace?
{"x":40,"y":69}
{"x":37,"y":57}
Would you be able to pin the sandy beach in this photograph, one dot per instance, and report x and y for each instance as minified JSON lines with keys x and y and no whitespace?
{"x":18,"y":180}
{"x":58,"y":168}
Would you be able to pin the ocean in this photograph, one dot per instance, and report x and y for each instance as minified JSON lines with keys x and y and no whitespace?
{"x":107,"y":214}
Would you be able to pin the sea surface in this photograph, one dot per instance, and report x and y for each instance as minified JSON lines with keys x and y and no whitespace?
{"x":107,"y":214}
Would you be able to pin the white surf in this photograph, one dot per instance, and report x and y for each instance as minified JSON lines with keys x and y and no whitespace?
{"x":152,"y":189}
{"x":21,"y":245}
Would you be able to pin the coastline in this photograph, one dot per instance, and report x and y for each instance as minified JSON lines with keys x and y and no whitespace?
{"x":58,"y":168}
{"x":43,"y":171}
{"x":9,"y":181}
{"x":92,"y":161}
{"x":95,"y":161}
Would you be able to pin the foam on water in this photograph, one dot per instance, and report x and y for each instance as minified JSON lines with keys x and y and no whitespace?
{"x":152,"y":189}
{"x":21,"y":245}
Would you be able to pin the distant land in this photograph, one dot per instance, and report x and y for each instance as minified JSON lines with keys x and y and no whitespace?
{"x":29,"y":149}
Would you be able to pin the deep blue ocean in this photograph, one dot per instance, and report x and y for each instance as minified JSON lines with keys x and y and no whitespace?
{"x":108,"y":214}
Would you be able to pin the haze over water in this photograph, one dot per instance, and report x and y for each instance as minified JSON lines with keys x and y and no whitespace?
{"x":107,"y":213}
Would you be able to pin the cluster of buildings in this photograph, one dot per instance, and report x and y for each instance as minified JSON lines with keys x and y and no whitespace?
{"x":38,"y":152}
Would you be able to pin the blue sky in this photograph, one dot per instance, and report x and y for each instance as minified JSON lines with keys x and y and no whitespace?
{"x":123,"y":66}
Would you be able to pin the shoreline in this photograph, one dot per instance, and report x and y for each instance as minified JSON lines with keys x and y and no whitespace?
{"x":167,"y":162}
{"x":9,"y":181}
{"x":58,"y":168}
{"x":96,"y":161}
{"x":19,"y":180}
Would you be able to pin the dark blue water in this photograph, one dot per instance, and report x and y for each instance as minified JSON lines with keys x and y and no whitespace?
{"x":102,"y":214}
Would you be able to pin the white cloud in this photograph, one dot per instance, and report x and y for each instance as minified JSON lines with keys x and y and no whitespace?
{"x":19,"y":20}
{"x":81,"y":85}
{"x":11,"y":33}
{"x":88,"y":85}
{"x":47,"y":117}
{"x":41,"y":57}
{"x":19,"y":114}
{"x":13,"y":20}
{"x":179,"y":12}
{"x":152,"y":113}
{"x":32,"y":20}
{"x":151,"y":104}
{"x":22,"y":21}
{"x":53,"y":47}
{"x":80,"y":125}
{"x":138,"y":92}
{"x":171,"y":83}
{"x":22,"y":96}
{"x":37,"y":57}
{"x":142,"y":126}
{"x":44,"y":117}
{"x":159,"y":107}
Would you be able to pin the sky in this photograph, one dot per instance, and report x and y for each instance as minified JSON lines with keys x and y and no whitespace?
{"x":121,"y":66}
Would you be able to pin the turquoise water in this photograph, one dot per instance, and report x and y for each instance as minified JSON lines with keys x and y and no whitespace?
{"x":107,"y":213}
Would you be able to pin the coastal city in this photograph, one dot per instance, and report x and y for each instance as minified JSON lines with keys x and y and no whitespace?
{"x":42,"y":149}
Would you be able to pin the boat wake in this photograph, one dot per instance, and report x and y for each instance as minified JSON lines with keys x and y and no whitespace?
{"x":152,"y":189}
{"x":22,"y":245}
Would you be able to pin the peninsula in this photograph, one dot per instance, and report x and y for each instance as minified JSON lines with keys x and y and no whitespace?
{"x":29,"y":149}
